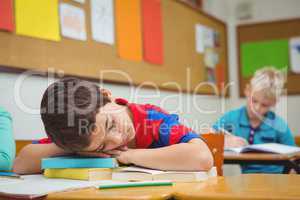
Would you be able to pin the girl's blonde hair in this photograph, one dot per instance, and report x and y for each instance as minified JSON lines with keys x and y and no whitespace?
{"x":269,"y":80}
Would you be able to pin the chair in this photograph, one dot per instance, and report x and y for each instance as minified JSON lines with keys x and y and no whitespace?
{"x":20,"y":144}
{"x":215,"y":143}
{"x":297,"y":140}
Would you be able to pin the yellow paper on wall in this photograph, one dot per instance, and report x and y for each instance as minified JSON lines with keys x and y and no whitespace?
{"x":37,"y":19}
{"x":129,"y":30}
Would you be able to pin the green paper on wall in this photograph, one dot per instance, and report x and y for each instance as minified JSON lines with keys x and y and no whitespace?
{"x":256,"y":55}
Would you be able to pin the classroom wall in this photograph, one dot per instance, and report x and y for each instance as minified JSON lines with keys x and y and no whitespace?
{"x":22,"y":99}
{"x":262,"y":10}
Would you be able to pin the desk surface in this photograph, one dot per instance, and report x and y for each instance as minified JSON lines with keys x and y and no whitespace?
{"x":247,"y":186}
{"x":139,"y":193}
{"x":259,"y":156}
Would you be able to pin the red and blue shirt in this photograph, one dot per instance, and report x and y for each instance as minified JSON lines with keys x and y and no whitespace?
{"x":154,"y":126}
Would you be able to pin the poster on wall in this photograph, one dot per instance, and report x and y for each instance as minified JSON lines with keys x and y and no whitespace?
{"x":152,"y":31}
{"x":199,"y":38}
{"x":102,"y":19}
{"x":255,"y":55}
{"x":6,"y":15}
{"x":128,"y":29}
{"x":37,"y":19}
{"x":294,"y":46}
{"x":72,"y":21}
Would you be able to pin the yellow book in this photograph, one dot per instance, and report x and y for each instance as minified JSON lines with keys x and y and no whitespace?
{"x":90,"y":174}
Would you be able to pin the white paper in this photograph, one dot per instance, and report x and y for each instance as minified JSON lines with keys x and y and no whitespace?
{"x":102,"y":19}
{"x":209,"y":40}
{"x":72,"y":20}
{"x":211,"y":58}
{"x":38,"y":185}
{"x":80,"y":1}
{"x":294,"y":46}
{"x":199,"y":38}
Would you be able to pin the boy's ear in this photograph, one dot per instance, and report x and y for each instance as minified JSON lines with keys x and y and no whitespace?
{"x":106,"y":93}
{"x":247,"y":90}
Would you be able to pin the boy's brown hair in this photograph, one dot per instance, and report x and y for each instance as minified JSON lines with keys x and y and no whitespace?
{"x":68,"y":111}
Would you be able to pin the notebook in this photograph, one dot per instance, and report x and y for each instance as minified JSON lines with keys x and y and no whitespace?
{"x":267,"y":148}
{"x":37,"y":186}
{"x":90,"y":174}
{"x":145,"y":174}
{"x":78,"y":162}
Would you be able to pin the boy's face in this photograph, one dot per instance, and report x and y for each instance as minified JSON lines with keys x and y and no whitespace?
{"x":258,"y":104}
{"x":114,"y":128}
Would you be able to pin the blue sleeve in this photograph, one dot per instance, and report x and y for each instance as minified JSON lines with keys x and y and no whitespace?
{"x":7,"y":144}
{"x":223,"y":123}
{"x":285,"y":135}
{"x":188,"y":137}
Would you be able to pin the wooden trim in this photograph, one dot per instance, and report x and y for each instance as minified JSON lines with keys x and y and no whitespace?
{"x":17,"y":70}
{"x":192,"y":6}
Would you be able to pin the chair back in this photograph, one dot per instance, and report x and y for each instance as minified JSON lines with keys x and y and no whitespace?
{"x":215,"y":143}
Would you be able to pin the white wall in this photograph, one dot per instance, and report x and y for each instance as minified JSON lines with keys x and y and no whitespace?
{"x":22,"y":99}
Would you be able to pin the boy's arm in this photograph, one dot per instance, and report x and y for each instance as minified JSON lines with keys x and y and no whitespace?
{"x":29,"y":159}
{"x":191,"y":156}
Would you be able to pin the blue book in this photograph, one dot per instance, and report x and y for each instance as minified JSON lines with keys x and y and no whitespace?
{"x":10,"y":175}
{"x":78,"y":162}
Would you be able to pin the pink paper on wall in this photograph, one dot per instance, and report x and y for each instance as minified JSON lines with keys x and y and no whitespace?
{"x":6,"y":15}
{"x":152,"y":31}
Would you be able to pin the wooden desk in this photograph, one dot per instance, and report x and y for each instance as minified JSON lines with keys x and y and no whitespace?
{"x":243,"y":187}
{"x":139,"y":193}
{"x":289,"y":162}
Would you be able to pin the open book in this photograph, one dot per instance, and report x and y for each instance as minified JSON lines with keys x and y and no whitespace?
{"x":144,"y":174}
{"x":266,"y":148}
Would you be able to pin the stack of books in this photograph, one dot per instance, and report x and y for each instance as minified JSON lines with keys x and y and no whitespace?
{"x":94,"y":169}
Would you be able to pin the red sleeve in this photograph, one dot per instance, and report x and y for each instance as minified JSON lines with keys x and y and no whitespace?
{"x":43,"y":141}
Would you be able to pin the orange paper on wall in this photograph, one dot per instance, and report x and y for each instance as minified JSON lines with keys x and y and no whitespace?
{"x":220,"y":76}
{"x":6,"y":15}
{"x":152,"y":31}
{"x":128,"y":27}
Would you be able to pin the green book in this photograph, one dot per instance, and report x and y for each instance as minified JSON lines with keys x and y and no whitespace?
{"x":135,"y":184}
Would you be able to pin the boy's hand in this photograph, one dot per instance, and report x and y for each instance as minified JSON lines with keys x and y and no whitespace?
{"x":94,"y":154}
{"x":234,"y":141}
{"x":124,"y":157}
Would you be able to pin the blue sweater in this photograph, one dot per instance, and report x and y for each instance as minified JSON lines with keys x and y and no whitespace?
{"x":7,"y":144}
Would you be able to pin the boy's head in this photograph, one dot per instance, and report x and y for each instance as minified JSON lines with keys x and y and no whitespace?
{"x":264,"y":91}
{"x":68,"y":110}
{"x":78,"y":116}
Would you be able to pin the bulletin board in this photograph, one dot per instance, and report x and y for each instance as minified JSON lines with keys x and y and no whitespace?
{"x":183,"y":67}
{"x":267,"y":43}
